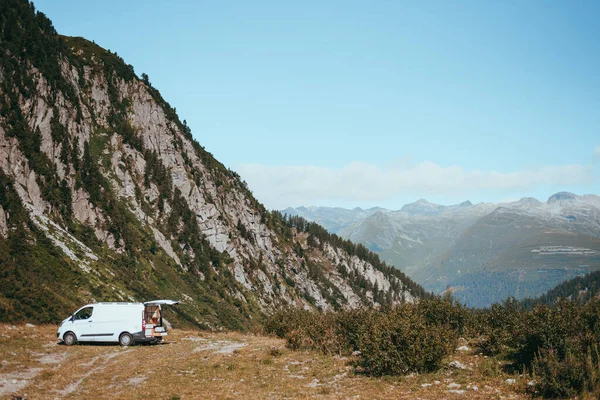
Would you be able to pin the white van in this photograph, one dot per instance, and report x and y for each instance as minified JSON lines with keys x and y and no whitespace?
{"x":125,"y":323}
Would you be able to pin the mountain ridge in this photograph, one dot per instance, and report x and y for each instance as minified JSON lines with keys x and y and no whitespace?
{"x":108,"y":197}
{"x":468,"y":245}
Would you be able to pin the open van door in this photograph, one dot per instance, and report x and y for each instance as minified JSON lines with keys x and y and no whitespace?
{"x":159,"y":302}
{"x":152,"y":323}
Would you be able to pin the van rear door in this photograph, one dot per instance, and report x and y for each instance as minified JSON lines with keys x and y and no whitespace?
{"x":153,"y":321}
{"x":159,"y":302}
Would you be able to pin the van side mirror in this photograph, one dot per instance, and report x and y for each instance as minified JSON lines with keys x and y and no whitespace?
{"x":71,"y":319}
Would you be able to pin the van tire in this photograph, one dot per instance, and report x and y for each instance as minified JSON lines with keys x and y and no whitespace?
{"x":69,"y":339}
{"x":125,"y":339}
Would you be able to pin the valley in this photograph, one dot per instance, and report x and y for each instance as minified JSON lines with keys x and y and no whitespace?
{"x":106,"y":195}
{"x":484,"y":252}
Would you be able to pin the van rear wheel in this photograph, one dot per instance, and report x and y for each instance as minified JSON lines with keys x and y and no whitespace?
{"x":125,"y":339}
{"x":69,"y":339}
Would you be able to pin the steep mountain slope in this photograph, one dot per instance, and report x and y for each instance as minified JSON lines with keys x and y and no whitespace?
{"x":582,"y":288}
{"x":486,"y":252}
{"x":106,"y":196}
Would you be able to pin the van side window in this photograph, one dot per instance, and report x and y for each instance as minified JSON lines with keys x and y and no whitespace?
{"x":84,"y":313}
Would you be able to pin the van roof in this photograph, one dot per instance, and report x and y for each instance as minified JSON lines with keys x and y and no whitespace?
{"x":125,"y":303}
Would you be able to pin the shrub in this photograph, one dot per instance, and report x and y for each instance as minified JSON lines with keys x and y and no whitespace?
{"x":556,"y":378}
{"x":499,"y":326}
{"x":304,"y":329}
{"x":391,"y":341}
{"x":553,"y":329}
{"x":558,"y":346}
{"x":403,"y":341}
{"x":445,"y":311}
{"x":287,"y":320}
{"x":354,"y":326}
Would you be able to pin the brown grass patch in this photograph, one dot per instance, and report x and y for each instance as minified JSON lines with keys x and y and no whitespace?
{"x":192,"y":365}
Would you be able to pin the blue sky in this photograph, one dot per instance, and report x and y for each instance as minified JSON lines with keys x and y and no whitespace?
{"x":364,"y":103}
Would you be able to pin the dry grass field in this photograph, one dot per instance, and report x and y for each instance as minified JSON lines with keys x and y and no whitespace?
{"x":202,"y":365}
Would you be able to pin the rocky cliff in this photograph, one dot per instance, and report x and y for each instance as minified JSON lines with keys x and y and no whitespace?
{"x":105,"y":195}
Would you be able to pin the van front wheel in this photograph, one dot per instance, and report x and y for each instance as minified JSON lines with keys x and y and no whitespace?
{"x":125,"y":339}
{"x":69,"y":339}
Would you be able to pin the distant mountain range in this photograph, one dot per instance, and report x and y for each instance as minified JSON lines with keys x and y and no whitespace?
{"x":482,"y":252}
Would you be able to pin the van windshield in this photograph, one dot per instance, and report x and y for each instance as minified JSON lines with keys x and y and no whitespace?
{"x":84,"y":313}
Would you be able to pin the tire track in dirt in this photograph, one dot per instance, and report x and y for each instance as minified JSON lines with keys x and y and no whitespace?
{"x":17,"y":381}
{"x":105,"y":360}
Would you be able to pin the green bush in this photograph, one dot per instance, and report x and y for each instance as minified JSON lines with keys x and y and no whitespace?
{"x":560,"y":378}
{"x":499,"y":326}
{"x":354,"y":326}
{"x":557,"y":345}
{"x":404,"y":341}
{"x":305,"y":330}
{"x":445,"y":311}
{"x":392,"y":341}
{"x":555,"y":329}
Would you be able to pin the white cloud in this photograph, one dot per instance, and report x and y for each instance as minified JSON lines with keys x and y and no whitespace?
{"x":282,"y":186}
{"x":597,"y":153}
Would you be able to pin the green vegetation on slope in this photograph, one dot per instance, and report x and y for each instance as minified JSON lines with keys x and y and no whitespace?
{"x":316,"y":231}
{"x":581,"y":289}
{"x":34,"y":271}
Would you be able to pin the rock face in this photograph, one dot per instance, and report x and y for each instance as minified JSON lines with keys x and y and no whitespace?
{"x":3,"y":225}
{"x":105,"y":170}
